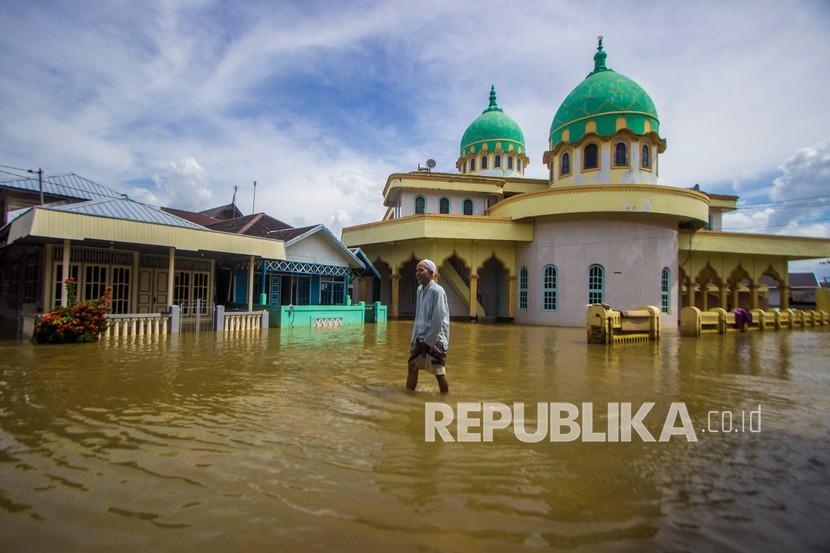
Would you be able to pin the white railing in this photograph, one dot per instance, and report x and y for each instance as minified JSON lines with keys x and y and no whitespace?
{"x":239,"y":321}
{"x":137,"y":324}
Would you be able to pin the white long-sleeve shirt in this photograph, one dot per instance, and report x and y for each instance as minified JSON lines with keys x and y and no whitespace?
{"x":432,"y":316}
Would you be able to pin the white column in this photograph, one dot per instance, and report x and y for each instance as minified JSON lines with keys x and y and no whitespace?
{"x":171,"y":272}
{"x":67,"y":258}
{"x":251,"y":283}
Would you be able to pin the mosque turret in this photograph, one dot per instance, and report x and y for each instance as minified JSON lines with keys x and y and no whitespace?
{"x":605,"y":132}
{"x":493,"y":144}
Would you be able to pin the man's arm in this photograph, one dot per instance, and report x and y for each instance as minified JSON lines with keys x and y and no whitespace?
{"x":440,"y":313}
{"x":417,"y":307}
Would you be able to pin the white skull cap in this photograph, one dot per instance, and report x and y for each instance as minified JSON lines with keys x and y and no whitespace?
{"x":429,"y":264}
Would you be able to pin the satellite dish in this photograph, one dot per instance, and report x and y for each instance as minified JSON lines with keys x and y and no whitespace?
{"x":431,"y":163}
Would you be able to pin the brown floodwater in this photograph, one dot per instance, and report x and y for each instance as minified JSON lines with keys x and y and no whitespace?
{"x":308,"y":441}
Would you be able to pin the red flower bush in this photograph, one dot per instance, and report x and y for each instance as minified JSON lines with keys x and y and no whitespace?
{"x":77,"y":322}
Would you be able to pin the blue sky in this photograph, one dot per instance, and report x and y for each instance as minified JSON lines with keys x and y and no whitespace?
{"x":177,"y":102}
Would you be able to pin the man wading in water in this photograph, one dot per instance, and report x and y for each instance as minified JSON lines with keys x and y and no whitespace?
{"x":431,"y":334}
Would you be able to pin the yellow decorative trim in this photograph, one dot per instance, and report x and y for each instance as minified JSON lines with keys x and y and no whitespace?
{"x":622,"y":123}
{"x":591,"y":127}
{"x":569,"y":123}
{"x":491,"y":140}
{"x":600,"y":189}
{"x":659,"y":144}
{"x":434,"y":216}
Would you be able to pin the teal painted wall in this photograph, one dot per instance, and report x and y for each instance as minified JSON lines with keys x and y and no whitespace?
{"x":305,"y":316}
{"x":241,"y":290}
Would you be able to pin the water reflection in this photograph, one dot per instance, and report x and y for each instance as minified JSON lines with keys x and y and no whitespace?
{"x":306,"y":439}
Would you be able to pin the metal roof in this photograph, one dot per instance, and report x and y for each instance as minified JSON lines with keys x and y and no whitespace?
{"x":67,"y":186}
{"x":125,"y":208}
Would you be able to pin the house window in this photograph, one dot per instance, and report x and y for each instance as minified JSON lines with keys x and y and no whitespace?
{"x":74,"y":271}
{"x":464,"y":170}
{"x":95,"y":281}
{"x":444,"y":205}
{"x":565,"y":164}
{"x":468,"y":207}
{"x":523,"y":288}
{"x":484,"y":162}
{"x":510,"y":162}
{"x":332,"y":290}
{"x":590,"y":157}
{"x":497,"y":161}
{"x":120,"y":290}
{"x":646,"y":158}
{"x":420,"y":205}
{"x":473,"y":164}
{"x":518,"y":165}
{"x":596,"y":284}
{"x":549,"y":288}
{"x":181,"y":288}
{"x":620,"y":154}
{"x":200,"y":288}
{"x":665,"y":290}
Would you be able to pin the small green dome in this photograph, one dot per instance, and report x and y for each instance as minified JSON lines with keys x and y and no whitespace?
{"x":602,"y":97}
{"x":491,"y":127}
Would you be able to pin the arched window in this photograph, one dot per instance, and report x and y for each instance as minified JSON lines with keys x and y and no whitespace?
{"x":472,"y":164}
{"x":596,"y":284}
{"x":518,"y":165}
{"x":620,"y":154}
{"x":444,"y":205}
{"x":510,"y":162}
{"x":665,"y":290}
{"x":465,"y":168}
{"x":484,"y":162}
{"x":497,"y":161}
{"x":565,"y":164}
{"x":549,"y":288}
{"x":590,"y":157}
{"x":523,"y":288}
{"x":468,"y":207}
{"x":420,"y":205}
{"x":646,"y":158}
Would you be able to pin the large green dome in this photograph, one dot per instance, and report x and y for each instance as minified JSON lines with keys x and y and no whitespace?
{"x":491,"y":127}
{"x":603,"y":97}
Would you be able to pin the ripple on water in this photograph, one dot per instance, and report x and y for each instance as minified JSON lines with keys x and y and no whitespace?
{"x":308,"y":440}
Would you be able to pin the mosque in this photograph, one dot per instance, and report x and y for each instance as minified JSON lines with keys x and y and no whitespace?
{"x":600,"y":229}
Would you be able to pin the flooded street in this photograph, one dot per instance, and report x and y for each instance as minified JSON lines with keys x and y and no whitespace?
{"x":308,"y":441}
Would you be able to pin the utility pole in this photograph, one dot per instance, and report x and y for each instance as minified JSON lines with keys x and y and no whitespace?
{"x":253,"y":203}
{"x":39,"y":182}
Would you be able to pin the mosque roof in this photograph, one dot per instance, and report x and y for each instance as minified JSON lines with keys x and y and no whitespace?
{"x":492,"y":126}
{"x":603,"y":97}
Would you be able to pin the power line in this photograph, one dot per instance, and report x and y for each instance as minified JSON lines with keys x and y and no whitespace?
{"x":783,"y":202}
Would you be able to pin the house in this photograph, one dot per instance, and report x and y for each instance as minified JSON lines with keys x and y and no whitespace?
{"x":155,"y":257}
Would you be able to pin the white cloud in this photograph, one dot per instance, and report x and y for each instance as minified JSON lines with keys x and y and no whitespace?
{"x":798,"y":201}
{"x":183,"y":184}
{"x":123,"y":93}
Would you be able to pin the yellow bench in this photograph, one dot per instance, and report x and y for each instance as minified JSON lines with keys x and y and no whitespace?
{"x":609,"y":326}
